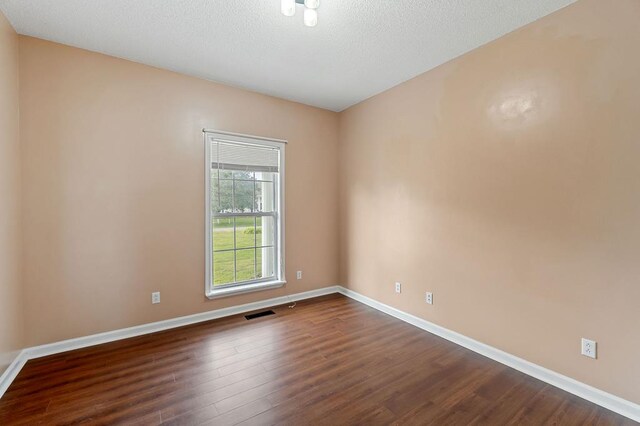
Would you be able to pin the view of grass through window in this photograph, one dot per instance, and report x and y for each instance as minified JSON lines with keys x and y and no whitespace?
{"x":239,"y":246}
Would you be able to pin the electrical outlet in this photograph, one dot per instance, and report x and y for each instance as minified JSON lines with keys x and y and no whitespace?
{"x":299,"y":275}
{"x":429,"y":298}
{"x":155,"y":297}
{"x":398,"y":288}
{"x":589,"y":348}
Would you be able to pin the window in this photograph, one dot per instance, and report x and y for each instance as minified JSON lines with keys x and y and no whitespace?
{"x":244,"y":199}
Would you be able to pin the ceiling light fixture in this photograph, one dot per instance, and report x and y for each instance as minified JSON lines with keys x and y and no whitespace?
{"x":288,"y":8}
{"x":312,"y":4}
{"x":310,"y":17}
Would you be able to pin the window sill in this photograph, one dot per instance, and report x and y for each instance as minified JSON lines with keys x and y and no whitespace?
{"x":249,"y":288}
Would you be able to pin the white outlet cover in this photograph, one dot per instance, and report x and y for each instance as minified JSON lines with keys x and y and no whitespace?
{"x":299,"y":275}
{"x":398,"y":288}
{"x":589,"y":348}
{"x":429,"y":298}
{"x":155,"y":297}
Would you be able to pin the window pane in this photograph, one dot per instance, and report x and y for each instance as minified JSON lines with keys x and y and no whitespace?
{"x":245,"y":232}
{"x":223,"y":267}
{"x":243,"y":196}
{"x":265,"y":261}
{"x":243,"y":175}
{"x":222,"y":233}
{"x":226,"y":174}
{"x":245,"y":264}
{"x":244,"y":178}
{"x":265,"y":231}
{"x":265,"y":199}
{"x":244,"y":221}
{"x":221,"y":195}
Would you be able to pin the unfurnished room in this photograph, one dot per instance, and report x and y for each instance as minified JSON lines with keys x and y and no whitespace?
{"x":320,"y":212}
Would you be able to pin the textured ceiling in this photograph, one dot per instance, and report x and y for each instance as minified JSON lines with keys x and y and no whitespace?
{"x":358,"y":49}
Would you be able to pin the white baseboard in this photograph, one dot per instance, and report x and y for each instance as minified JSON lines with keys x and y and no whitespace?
{"x":125,"y":333}
{"x":110,"y":336}
{"x":597,"y":396}
{"x":12,"y":371}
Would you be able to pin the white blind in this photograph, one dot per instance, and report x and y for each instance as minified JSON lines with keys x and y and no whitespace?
{"x":243,"y":157}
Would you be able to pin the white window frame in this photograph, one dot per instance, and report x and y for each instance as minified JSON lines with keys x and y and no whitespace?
{"x":279,"y":280}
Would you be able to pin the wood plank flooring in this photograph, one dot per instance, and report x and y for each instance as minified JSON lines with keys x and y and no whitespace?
{"x":328,"y":361}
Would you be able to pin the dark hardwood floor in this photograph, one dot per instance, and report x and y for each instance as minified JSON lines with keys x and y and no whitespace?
{"x":329,"y":361}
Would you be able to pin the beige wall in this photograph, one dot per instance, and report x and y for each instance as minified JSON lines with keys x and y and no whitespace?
{"x":11,"y":327}
{"x":114,"y":193}
{"x":505,"y":181}
{"x":508,"y":183}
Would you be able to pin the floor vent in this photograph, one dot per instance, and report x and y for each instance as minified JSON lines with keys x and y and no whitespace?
{"x":259,"y":314}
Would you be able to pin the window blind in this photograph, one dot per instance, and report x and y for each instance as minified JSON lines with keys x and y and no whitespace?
{"x":243,"y":157}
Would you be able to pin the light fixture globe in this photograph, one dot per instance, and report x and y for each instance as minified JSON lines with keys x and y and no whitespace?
{"x":288,"y":7}
{"x":312,"y":4}
{"x":310,"y":17}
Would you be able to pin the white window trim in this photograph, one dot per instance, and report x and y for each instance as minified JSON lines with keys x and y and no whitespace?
{"x":280,"y":279}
